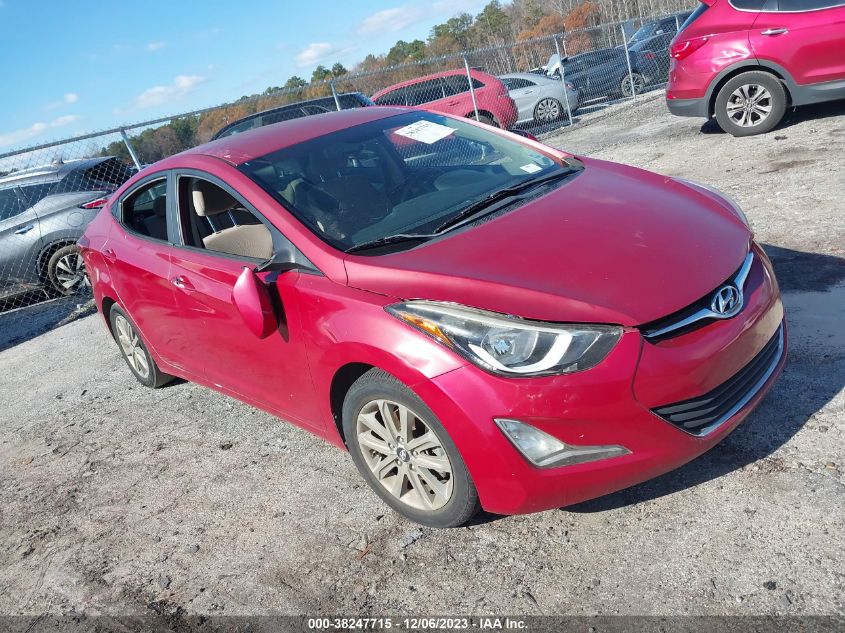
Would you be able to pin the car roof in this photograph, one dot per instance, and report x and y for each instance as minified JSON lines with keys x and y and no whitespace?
{"x":239,"y":148}
{"x":445,"y":73}
{"x":49,"y":173}
{"x":291,"y":106}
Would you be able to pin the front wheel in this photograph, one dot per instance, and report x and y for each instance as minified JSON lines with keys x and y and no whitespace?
{"x":751,"y":103}
{"x":66,"y":271}
{"x":405,"y":454}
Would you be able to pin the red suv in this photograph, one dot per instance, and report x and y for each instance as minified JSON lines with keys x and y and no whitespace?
{"x":746,"y":61}
{"x":449,"y":92}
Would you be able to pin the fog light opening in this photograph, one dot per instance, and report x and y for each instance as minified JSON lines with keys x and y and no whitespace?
{"x":545,"y":451}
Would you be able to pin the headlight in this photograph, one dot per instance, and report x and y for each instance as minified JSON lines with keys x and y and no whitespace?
{"x":509,"y":345}
{"x":733,"y":204}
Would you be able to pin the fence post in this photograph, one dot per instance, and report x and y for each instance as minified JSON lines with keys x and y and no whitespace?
{"x":471,"y":89}
{"x":563,"y":80}
{"x":130,"y":148}
{"x":628,"y":59}
{"x":334,"y":94}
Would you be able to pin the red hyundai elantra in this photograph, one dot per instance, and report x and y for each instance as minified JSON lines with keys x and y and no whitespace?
{"x":482,"y":320}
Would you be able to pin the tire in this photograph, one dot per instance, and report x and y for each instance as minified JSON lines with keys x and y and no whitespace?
{"x":66,"y":272}
{"x":439,"y":497}
{"x":484,"y":118}
{"x":638,"y":82}
{"x":134,"y":350}
{"x":751,"y":103}
{"x":548,"y":110}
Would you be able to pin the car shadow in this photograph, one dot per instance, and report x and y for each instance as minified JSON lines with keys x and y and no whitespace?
{"x":792,"y":117}
{"x":807,"y":281}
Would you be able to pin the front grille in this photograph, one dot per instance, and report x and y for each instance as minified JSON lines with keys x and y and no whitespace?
{"x":704,"y":414}
{"x":696,"y":314}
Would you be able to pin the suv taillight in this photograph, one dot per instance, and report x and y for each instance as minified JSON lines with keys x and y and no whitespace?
{"x":685,"y":48}
{"x":95,"y":204}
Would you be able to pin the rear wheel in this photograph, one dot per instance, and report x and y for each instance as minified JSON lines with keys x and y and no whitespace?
{"x":751,"y":103}
{"x":547,"y":110}
{"x":484,"y":118}
{"x":632,"y":84}
{"x":134,"y":351}
{"x":66,"y":271}
{"x":405,"y":454}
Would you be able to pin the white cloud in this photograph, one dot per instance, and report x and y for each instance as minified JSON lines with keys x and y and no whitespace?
{"x":159,"y":95}
{"x":154,"y":46}
{"x":390,"y":20}
{"x":20,"y":136}
{"x":318,"y":51}
{"x":69,"y":98}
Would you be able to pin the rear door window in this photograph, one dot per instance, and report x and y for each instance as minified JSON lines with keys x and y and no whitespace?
{"x":797,"y":6}
{"x":424,"y":92}
{"x":144,"y":211}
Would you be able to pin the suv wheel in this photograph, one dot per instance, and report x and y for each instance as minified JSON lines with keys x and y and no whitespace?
{"x":66,"y":271}
{"x":750,"y":103}
{"x":484,"y":118}
{"x":405,"y":454}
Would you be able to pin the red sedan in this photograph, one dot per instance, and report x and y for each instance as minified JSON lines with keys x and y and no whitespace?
{"x":481,"y":320}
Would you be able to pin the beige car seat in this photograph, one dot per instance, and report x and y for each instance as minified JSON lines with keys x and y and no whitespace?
{"x":248,"y":240}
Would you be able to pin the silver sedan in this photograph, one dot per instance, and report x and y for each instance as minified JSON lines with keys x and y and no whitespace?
{"x":539,"y":98}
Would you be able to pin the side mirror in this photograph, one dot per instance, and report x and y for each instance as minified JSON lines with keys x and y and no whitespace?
{"x":252,"y":299}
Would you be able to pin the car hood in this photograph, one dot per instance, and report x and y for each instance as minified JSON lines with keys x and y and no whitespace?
{"x":613,"y":244}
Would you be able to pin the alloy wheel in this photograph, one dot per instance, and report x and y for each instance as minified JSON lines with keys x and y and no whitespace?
{"x":749,"y":105}
{"x":548,"y":110}
{"x":633,"y":85}
{"x":405,"y":455}
{"x":130,"y":343}
{"x":70,"y":273}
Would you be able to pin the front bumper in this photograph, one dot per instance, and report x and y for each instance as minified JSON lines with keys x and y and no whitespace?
{"x":610,"y":404}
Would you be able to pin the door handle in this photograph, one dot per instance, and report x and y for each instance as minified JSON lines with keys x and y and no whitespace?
{"x":182,"y":283}
{"x":109,"y":254}
{"x":453,"y":103}
{"x":779,"y":31}
{"x":25,"y":229}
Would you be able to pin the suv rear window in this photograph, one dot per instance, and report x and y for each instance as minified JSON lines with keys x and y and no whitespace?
{"x":700,"y":9}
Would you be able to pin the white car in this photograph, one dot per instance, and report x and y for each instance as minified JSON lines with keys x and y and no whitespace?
{"x":539,"y":98}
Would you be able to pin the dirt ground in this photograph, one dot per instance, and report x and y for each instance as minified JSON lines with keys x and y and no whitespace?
{"x":120,"y":500}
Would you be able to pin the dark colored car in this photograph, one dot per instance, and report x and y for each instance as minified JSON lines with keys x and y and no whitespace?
{"x":650,"y":44}
{"x":479,"y":319}
{"x":746,"y":61}
{"x":296,"y":110}
{"x":602,"y":73}
{"x":43,"y":211}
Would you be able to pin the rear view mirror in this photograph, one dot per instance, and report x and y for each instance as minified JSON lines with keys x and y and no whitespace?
{"x":252,"y":299}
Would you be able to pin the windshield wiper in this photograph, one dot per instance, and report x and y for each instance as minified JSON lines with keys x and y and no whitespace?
{"x":474,"y":210}
{"x":390,"y":239}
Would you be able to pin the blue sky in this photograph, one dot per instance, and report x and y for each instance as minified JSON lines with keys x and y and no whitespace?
{"x":75,"y":67}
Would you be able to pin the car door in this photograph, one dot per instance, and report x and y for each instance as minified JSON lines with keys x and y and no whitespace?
{"x":806,"y":37}
{"x":20,"y":238}
{"x":271,"y":373}
{"x":137,"y":254}
{"x":524,"y":94}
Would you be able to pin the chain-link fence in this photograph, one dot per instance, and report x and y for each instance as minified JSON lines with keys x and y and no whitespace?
{"x":539,"y":86}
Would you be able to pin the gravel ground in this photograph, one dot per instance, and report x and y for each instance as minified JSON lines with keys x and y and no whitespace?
{"x":120,"y":500}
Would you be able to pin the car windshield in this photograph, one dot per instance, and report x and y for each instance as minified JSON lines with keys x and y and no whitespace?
{"x":645,"y":31}
{"x":406,"y":174}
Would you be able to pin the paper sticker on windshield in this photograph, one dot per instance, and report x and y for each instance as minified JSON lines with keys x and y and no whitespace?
{"x":425,"y":132}
{"x":531,"y":168}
